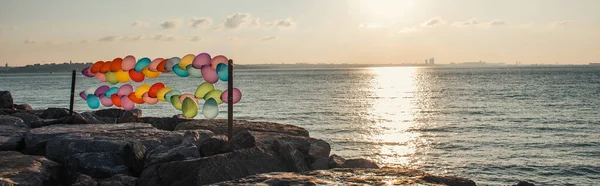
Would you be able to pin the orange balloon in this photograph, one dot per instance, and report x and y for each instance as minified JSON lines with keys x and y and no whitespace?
{"x":105,"y":67}
{"x":116,"y":100}
{"x":161,"y":66}
{"x":216,"y":60}
{"x":96,"y":67}
{"x":154,"y":89}
{"x":136,"y":76}
{"x":135,"y":99}
{"x":115,"y":65}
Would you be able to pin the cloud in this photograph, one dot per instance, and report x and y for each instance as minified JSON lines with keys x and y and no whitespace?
{"x":562,"y":23}
{"x":110,"y":38}
{"x":29,"y":41}
{"x":282,"y":23}
{"x":496,"y":23}
{"x":195,"y":38}
{"x":134,"y":38}
{"x":236,"y":20}
{"x":406,"y":30}
{"x":139,"y":24}
{"x":433,"y":22}
{"x":200,"y":22}
{"x":170,"y":24}
{"x":255,"y":23}
{"x":370,"y":25}
{"x":268,"y":38}
{"x":164,"y":37}
{"x":470,"y":22}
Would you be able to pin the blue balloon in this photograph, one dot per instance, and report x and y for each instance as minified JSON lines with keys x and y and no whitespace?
{"x":223,"y":71}
{"x":210,"y":109}
{"x":111,"y":91}
{"x":93,"y":101}
{"x":172,"y":62}
{"x":180,"y":72}
{"x":172,"y":93}
{"x":139,"y":66}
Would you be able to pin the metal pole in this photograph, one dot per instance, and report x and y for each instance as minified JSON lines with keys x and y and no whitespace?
{"x":230,"y":100}
{"x":72,"y":92}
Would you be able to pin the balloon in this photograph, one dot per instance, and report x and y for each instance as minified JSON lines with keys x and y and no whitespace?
{"x":154,"y":64}
{"x":83,"y":95}
{"x":201,"y":60}
{"x":141,"y":90}
{"x":160,"y":95}
{"x":155,"y":88}
{"x":105,"y":67}
{"x":101,"y":90}
{"x":210,"y":109}
{"x":183,"y":96}
{"x":171,"y":63}
{"x":194,"y":72}
{"x":116,"y":100}
{"x":96,"y":67}
{"x":127,"y":103}
{"x":139,"y":66}
{"x":90,"y":90}
{"x":180,"y":72}
{"x":216,"y":60}
{"x":111,"y":77}
{"x":209,"y":74}
{"x":106,"y":102}
{"x":223,"y":71}
{"x":149,"y":73}
{"x":203,"y":89}
{"x":171,"y":93}
{"x":111,"y":91}
{"x":189,"y":108}
{"x":136,"y":76}
{"x":122,"y":76}
{"x":101,"y":77}
{"x":186,"y":60}
{"x":92,"y":101}
{"x":128,"y":63}
{"x":135,"y":99}
{"x":116,"y":65}
{"x":237,"y":95}
{"x":86,"y":72}
{"x":148,"y":99}
{"x":161,"y":66}
{"x":125,"y":90}
{"x":175,"y":102}
{"x":215,"y":94}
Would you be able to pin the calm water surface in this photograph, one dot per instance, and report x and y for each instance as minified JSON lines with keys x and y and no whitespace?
{"x":492,"y":125}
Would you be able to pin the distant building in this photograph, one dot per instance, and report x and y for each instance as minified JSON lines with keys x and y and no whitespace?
{"x":425,"y":61}
{"x":6,"y":66}
{"x":431,"y":61}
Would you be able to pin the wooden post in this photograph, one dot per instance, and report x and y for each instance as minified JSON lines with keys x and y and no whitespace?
{"x":72,"y":92}
{"x":230,"y":100}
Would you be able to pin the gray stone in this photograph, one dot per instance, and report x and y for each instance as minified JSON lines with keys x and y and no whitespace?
{"x":240,"y":140}
{"x":91,"y":118}
{"x":360,"y":163}
{"x":12,"y":137}
{"x":118,"y":180}
{"x":134,"y":154}
{"x":21,"y":169}
{"x":95,"y":164}
{"x":294,"y":159}
{"x":336,"y":161}
{"x":130,"y":116}
{"x":84,"y":180}
{"x":6,"y":100}
{"x":23,"y":107}
{"x":165,"y":123}
{"x":11,"y":121}
{"x":54,"y":113}
{"x":213,"y":145}
{"x":26,"y":117}
{"x":45,"y":122}
{"x":320,"y":163}
{"x":219,"y":127}
{"x":74,"y":119}
{"x":163,"y":154}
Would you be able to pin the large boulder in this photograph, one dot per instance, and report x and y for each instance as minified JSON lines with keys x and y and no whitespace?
{"x":121,"y":116}
{"x":26,"y":117}
{"x":294,"y":159}
{"x":360,"y":163}
{"x":84,"y":180}
{"x":163,"y":154}
{"x":45,"y":122}
{"x":213,"y":145}
{"x":55,"y":113}
{"x":241,"y":140}
{"x":23,"y":107}
{"x":219,"y":127}
{"x":92,"y":119}
{"x":20,"y":169}
{"x":165,"y":123}
{"x":11,"y":121}
{"x":320,"y":163}
{"x":118,"y":180}
{"x":12,"y":137}
{"x":95,"y":164}
{"x":6,"y":100}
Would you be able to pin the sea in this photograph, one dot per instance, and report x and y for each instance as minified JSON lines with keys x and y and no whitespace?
{"x":494,"y":125}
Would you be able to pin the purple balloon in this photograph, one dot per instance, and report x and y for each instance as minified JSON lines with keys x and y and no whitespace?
{"x":126,"y":103}
{"x":124,"y":90}
{"x":86,"y":72}
{"x":209,"y":74}
{"x":101,"y":90}
{"x":107,"y":102}
{"x":83,"y":95}
{"x":201,"y":60}
{"x":237,"y":96}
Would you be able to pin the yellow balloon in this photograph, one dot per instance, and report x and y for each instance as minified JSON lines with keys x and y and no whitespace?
{"x":161,"y":93}
{"x":122,"y":76}
{"x":141,"y":90}
{"x":175,"y":102}
{"x":186,"y":60}
{"x":149,"y":73}
{"x":189,"y":108}
{"x":215,"y":94}
{"x":203,"y":89}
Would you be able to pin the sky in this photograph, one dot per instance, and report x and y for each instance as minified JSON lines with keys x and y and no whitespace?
{"x":307,"y":31}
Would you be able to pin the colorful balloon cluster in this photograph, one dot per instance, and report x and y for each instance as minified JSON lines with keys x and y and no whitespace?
{"x":126,"y":96}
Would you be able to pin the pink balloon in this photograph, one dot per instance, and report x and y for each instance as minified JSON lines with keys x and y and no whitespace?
{"x":101,"y":77}
{"x":124,"y":90}
{"x":183,"y":96}
{"x":149,"y":100}
{"x":101,"y":90}
{"x":107,"y":102}
{"x":237,"y":96}
{"x":83,"y":95}
{"x":87,"y":73}
{"x":201,"y":60}
{"x":209,"y":74}
{"x":128,"y":63}
{"x":154,"y":64}
{"x":126,"y":103}
{"x":218,"y":59}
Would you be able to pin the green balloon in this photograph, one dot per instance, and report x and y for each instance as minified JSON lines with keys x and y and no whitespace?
{"x":215,"y":94}
{"x":194,"y":72}
{"x":111,"y":77}
{"x":189,"y":108}
{"x":203,"y":89}
{"x":210,"y":109}
{"x":172,"y":93}
{"x":175,"y":101}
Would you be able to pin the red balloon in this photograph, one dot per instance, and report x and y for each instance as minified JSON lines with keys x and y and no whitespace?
{"x":136,"y":76}
{"x":135,"y":99}
{"x":115,"y":65}
{"x":96,"y":67}
{"x":116,"y":100}
{"x":161,"y":66}
{"x":105,"y":67}
{"x":154,"y":89}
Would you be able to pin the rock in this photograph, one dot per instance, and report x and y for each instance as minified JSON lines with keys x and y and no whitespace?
{"x":62,"y":147}
{"x":163,"y":154}
{"x":74,"y":119}
{"x":3,"y":113}
{"x":45,"y":122}
{"x":523,"y":183}
{"x":240,"y":140}
{"x":21,"y":169}
{"x":118,"y":180}
{"x":294,"y":159}
{"x":213,"y":169}
{"x":91,"y":118}
{"x":134,"y":154}
{"x":12,"y":137}
{"x":320,"y":163}
{"x":11,"y":121}
{"x":319,"y":148}
{"x":84,"y":180}
{"x":54,"y":113}
{"x":212,"y":145}
{"x":109,"y":113}
{"x":385,"y":176}
{"x":23,"y":107}
{"x":360,"y":163}
{"x":165,"y":123}
{"x":336,"y":161}
{"x":6,"y":100}
{"x":304,"y":144}
{"x":219,"y":127}
{"x":190,"y":137}
{"x":95,"y":164}
{"x":26,"y":117}
{"x":130,"y":116}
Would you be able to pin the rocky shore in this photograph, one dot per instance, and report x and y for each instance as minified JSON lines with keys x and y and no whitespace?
{"x":117,"y":147}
